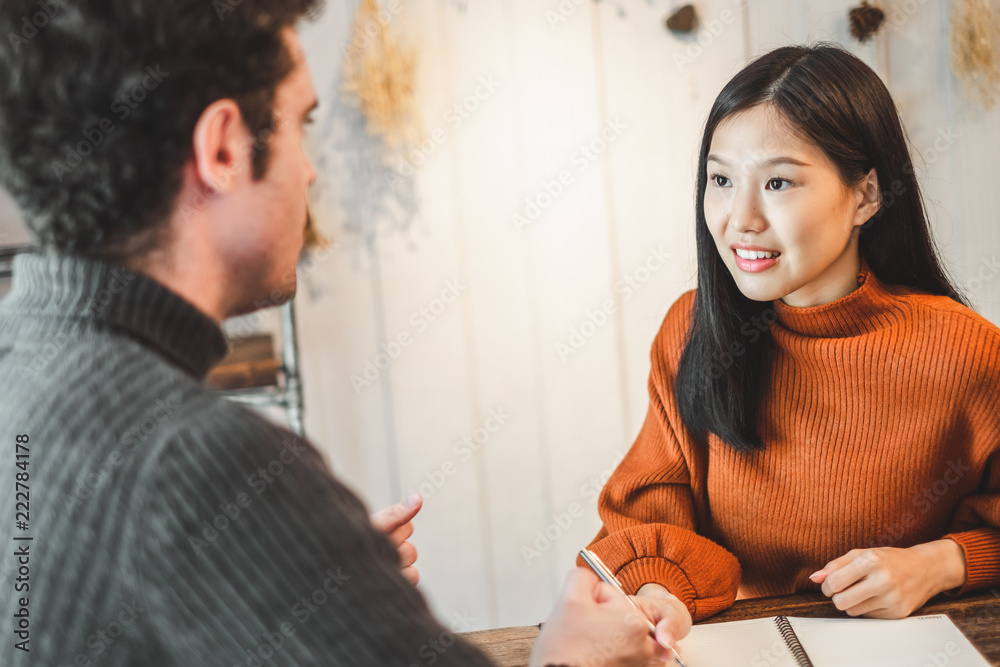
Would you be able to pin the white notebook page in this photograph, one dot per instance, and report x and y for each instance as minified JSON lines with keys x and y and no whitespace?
{"x":918,"y":641}
{"x":754,"y":642}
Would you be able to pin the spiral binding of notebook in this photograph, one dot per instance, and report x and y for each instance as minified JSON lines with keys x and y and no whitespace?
{"x":792,"y":642}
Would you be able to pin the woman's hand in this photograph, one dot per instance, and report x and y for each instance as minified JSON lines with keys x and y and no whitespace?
{"x":892,"y":583}
{"x":675,"y":624}
{"x":595,"y":624}
{"x":394,"y":521}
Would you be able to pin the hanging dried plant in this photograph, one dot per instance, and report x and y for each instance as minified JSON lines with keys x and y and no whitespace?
{"x":379,"y":76}
{"x":313,"y":238}
{"x":865,"y":21}
{"x":975,"y":49}
{"x":684,"y":20}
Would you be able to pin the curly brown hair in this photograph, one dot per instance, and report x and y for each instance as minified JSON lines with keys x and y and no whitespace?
{"x":99,"y":99}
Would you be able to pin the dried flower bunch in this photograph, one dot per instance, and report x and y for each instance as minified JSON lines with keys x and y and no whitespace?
{"x":865,"y":21}
{"x":313,"y":238}
{"x":379,"y":75}
{"x":975,"y":49}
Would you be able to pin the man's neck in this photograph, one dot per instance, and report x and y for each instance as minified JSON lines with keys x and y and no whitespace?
{"x":193,"y":277}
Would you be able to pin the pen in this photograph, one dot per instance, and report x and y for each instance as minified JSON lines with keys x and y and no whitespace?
{"x":598,"y":566}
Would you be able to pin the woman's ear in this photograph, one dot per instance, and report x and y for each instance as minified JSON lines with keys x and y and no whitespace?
{"x":868,"y":197}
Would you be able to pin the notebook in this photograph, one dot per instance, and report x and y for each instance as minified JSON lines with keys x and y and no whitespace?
{"x":788,"y":641}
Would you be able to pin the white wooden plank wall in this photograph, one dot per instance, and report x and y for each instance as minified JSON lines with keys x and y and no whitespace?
{"x":589,"y":262}
{"x":476,"y":400}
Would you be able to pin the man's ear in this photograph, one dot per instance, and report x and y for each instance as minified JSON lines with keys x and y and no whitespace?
{"x":869,"y":198}
{"x":221,"y":147}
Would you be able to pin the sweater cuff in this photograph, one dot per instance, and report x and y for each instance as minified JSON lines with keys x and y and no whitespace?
{"x":702,"y":574}
{"x":982,"y":558}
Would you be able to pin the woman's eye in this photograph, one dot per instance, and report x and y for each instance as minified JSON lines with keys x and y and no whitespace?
{"x":775,"y":183}
{"x":719,"y":180}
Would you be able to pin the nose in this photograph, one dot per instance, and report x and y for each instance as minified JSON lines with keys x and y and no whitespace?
{"x":745,"y":214}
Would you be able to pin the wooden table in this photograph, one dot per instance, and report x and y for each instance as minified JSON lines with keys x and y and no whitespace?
{"x":977,"y":616}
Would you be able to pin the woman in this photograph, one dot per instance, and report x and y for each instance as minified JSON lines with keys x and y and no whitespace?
{"x":824,"y":407}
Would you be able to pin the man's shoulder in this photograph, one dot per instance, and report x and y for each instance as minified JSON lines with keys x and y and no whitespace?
{"x":217,"y":451}
{"x":95,"y":359}
{"x":209,"y":425}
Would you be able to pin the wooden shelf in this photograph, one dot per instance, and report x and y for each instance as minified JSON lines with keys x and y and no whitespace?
{"x":287,"y":392}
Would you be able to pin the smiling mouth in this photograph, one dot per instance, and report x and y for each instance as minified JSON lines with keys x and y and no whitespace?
{"x":755,"y":261}
{"x":756,"y":254}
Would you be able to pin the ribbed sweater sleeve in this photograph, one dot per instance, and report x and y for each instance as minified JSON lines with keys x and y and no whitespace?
{"x":247,"y":546}
{"x":650,"y":528}
{"x":976,"y":523}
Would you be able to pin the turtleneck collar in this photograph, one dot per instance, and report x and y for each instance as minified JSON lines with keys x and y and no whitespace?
{"x":54,"y":292}
{"x":868,"y":308}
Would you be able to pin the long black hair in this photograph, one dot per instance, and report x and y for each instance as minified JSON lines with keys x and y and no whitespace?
{"x":835,"y":101}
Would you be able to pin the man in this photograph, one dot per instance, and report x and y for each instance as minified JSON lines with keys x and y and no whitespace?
{"x":155,"y":149}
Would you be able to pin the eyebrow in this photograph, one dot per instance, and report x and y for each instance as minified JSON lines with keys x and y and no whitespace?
{"x":765,"y":163}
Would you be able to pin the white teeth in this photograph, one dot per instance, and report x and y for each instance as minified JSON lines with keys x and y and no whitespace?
{"x":756,"y":254}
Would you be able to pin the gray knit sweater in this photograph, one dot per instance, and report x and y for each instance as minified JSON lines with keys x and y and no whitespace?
{"x":170,"y":526}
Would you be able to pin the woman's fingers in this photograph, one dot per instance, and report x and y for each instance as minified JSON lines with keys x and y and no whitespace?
{"x":887,"y":582}
{"x":854,"y":597}
{"x":868,"y":607}
{"x":670,"y":616}
{"x":847,"y":570}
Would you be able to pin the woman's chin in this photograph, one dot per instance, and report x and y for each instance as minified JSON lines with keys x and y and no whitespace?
{"x":760,"y":297}
{"x":759,"y":289}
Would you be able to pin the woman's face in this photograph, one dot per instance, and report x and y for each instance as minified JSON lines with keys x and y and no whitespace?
{"x":782,"y":219}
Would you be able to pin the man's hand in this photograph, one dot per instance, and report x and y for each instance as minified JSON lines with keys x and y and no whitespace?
{"x":394,"y":521}
{"x":593,"y":623}
{"x":889,"y":582}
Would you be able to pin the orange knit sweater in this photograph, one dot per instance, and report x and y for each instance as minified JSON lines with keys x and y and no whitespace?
{"x":882,"y":428}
